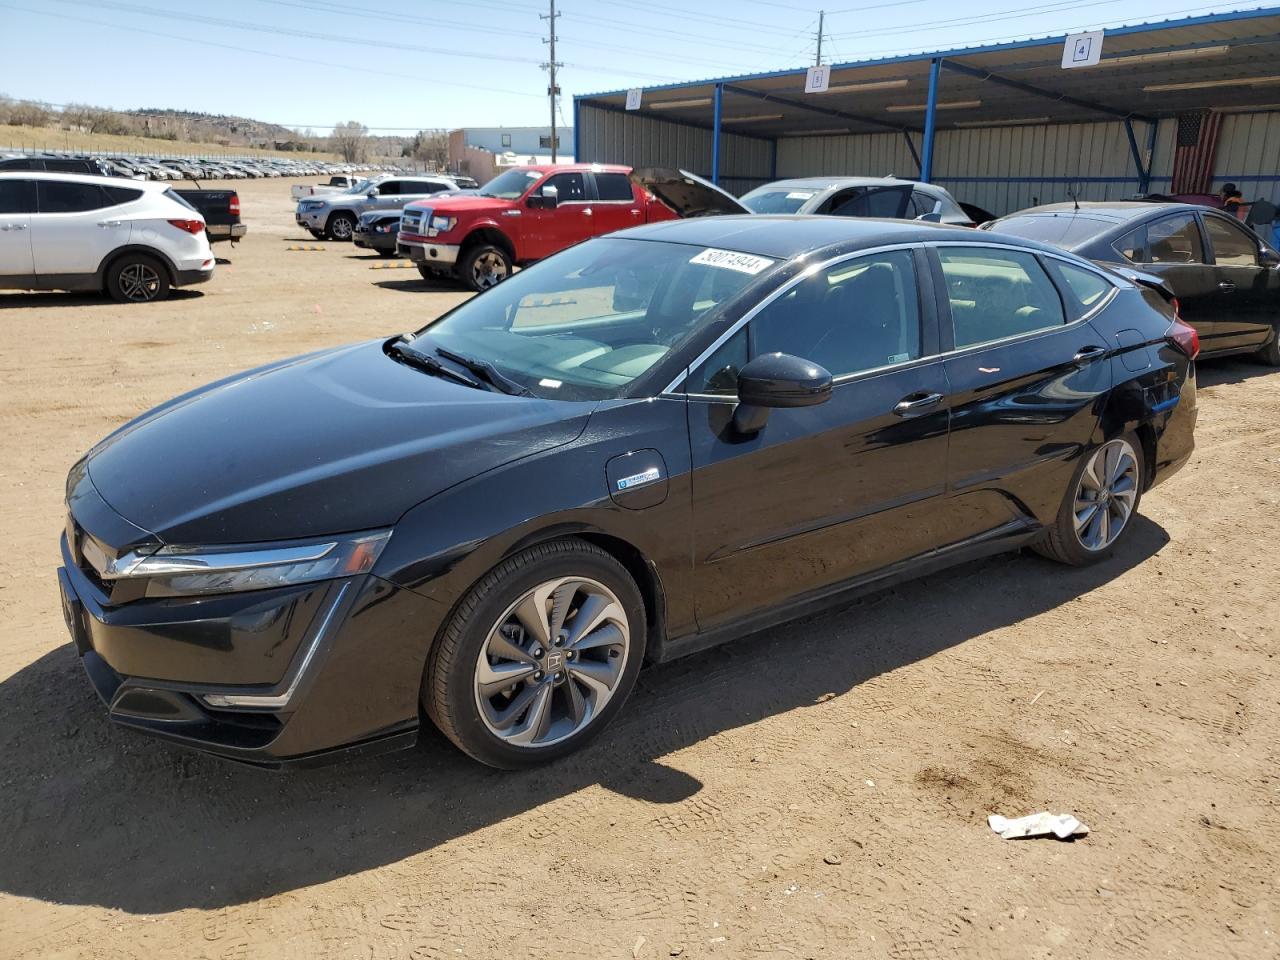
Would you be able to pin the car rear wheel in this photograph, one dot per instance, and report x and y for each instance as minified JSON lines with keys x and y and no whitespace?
{"x":137,"y":278}
{"x":1270,"y":354}
{"x":484,"y":266}
{"x":340,"y":227}
{"x":1099,"y":506}
{"x":538,"y":657}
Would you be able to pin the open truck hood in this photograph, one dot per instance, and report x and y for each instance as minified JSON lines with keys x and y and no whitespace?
{"x":685,"y":193}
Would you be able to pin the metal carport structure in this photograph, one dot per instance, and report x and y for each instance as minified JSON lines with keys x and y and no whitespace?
{"x":1004,"y":121}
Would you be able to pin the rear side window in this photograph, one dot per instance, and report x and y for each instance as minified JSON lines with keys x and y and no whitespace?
{"x":70,"y":166}
{"x":69,"y":197}
{"x":17,"y":196}
{"x":613,"y":186}
{"x":178,"y":198}
{"x":1232,"y":247}
{"x":997,"y":294}
{"x":1174,"y":239}
{"x":119,"y":195}
{"x":890,"y":202}
{"x":423,"y":186}
{"x":21,"y":163}
{"x":1082,"y":289}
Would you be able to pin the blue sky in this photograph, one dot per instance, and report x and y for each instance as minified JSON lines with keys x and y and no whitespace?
{"x":448,"y":63}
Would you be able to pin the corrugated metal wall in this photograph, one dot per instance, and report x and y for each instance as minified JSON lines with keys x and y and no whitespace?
{"x":607,"y":136}
{"x":1001,"y":169}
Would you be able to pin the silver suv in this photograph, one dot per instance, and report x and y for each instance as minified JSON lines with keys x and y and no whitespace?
{"x":334,"y":217}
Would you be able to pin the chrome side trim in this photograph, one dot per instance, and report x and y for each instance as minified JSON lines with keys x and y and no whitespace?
{"x":276,"y":701}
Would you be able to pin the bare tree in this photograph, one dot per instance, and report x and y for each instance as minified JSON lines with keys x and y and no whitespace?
{"x":429,"y":147}
{"x":350,"y":140}
{"x":25,"y":113}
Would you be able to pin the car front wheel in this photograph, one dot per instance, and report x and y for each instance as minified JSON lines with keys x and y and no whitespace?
{"x":1270,"y":354}
{"x":484,"y":266}
{"x":539,"y":656}
{"x":1099,"y":506}
{"x":340,"y":227}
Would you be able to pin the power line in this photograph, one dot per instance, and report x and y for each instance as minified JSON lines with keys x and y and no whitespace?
{"x":1014,"y":13}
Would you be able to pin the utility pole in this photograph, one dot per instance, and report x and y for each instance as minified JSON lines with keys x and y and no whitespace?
{"x":818,"y":60}
{"x":552,"y":91}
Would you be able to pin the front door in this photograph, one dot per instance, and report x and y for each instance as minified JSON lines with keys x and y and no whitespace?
{"x":75,"y":229}
{"x":1249,"y":291}
{"x":17,"y":204}
{"x":1025,"y":381}
{"x":827,"y":493}
{"x":548,"y":230}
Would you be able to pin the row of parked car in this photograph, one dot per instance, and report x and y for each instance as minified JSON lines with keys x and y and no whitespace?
{"x":183,"y":168}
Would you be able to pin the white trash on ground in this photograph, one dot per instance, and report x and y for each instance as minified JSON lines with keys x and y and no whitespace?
{"x":1060,"y":825}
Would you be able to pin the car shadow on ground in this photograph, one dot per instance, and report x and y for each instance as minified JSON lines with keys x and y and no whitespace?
{"x":95,"y":815}
{"x":417,"y":284}
{"x":1215,"y":373}
{"x":44,"y":298}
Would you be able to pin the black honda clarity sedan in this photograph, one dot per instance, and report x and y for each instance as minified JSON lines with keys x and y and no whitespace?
{"x":647,"y":444}
{"x":1225,"y":277}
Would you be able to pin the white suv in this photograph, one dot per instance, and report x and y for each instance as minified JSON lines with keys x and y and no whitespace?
{"x":132,"y":239}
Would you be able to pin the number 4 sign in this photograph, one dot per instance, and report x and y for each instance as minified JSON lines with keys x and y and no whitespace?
{"x":1082,"y":50}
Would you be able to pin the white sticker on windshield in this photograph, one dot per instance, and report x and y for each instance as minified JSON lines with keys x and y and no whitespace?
{"x":800,"y":195}
{"x":548,"y":382}
{"x":730,"y":260}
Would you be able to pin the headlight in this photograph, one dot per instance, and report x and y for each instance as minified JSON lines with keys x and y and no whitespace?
{"x":185,"y":571}
{"x":441,"y":225}
{"x":311,"y":205}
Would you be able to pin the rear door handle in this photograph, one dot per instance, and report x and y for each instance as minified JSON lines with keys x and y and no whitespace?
{"x":1088,"y":353}
{"x":586,"y":211}
{"x":1226,"y":286}
{"x":14,"y":226}
{"x":915,"y":404}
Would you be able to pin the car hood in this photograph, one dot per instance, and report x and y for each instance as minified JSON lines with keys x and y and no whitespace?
{"x":343,"y":440}
{"x":461,"y":203}
{"x":685,"y":193}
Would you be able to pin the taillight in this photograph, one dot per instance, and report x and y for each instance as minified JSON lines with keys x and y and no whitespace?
{"x":234,"y":205}
{"x":1182,"y":335}
{"x":191,"y":226}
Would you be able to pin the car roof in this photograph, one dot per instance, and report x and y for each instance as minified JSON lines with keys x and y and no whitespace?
{"x":569,"y":168}
{"x":1117,"y":211}
{"x":785,"y":237}
{"x":84,"y":178}
{"x":828,"y":183}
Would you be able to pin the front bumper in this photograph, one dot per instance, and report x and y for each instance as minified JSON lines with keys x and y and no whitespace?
{"x":311,"y":219}
{"x":330,"y":667}
{"x":432,"y":254}
{"x":385,"y":242}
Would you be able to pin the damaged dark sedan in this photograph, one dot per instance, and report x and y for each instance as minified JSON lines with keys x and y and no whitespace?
{"x":645,"y":445}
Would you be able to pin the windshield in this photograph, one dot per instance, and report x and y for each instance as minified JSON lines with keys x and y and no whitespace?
{"x":1065,"y":230}
{"x":773,"y":200}
{"x":584,"y":324}
{"x":510,"y":185}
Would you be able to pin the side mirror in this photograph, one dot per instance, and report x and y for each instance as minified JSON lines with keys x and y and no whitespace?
{"x":373,"y":192}
{"x":1269,"y":258}
{"x":777,"y":380}
{"x":550,"y":197}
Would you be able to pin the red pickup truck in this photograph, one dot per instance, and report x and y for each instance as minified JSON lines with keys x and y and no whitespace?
{"x":522,"y":215}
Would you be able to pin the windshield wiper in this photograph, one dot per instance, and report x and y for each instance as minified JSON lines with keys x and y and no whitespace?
{"x":487,"y":372}
{"x":430,"y":364}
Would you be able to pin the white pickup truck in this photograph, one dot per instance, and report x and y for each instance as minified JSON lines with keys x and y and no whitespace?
{"x":339,"y":183}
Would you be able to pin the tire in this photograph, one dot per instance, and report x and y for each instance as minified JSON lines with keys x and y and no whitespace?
{"x":1062,"y":541}
{"x":340,"y":227}
{"x":579,"y":686}
{"x":1270,"y":354}
{"x":484,"y":266}
{"x":137,"y":278}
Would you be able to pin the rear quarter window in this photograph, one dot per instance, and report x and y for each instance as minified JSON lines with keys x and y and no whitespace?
{"x":1082,"y":289}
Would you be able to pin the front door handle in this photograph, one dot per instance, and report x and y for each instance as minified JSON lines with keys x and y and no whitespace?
{"x":586,"y":211}
{"x":109,"y":223}
{"x":14,"y":226}
{"x":1226,"y":286}
{"x":1088,"y":353}
{"x":915,"y":404}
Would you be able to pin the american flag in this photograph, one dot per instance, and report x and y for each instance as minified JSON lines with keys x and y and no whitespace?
{"x":1193,"y":156}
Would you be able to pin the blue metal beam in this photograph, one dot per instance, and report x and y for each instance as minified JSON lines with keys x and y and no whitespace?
{"x":609,"y":107}
{"x":814,"y":108}
{"x":930,"y":120}
{"x":715,"y":133}
{"x":911,"y":145}
{"x":1144,"y":175}
{"x":773,"y":161}
{"x":1153,"y":128}
{"x":1035,"y":91}
{"x":577,"y":132}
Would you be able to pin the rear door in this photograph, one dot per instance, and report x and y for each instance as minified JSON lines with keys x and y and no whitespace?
{"x":1025,"y":377}
{"x":1172,"y":247}
{"x":827,"y":493}
{"x":1249,"y":291}
{"x":616,"y":206}
{"x":73,"y":230}
{"x":17,"y":204}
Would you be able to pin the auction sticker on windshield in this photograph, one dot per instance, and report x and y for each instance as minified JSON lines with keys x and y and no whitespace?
{"x":729,"y":260}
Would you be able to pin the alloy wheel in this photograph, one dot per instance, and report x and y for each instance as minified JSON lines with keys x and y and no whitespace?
{"x":552,"y":662}
{"x":341,"y":228}
{"x":139,"y":282}
{"x":488,"y":270}
{"x":1106,"y":495}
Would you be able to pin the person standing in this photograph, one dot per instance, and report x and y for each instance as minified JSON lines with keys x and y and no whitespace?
{"x":1232,"y":200}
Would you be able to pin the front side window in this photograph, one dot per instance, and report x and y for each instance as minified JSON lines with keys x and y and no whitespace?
{"x":996,"y":294}
{"x":390,"y":188}
{"x":17,"y":196}
{"x":569,"y":186}
{"x":585,"y":323}
{"x":57,"y":196}
{"x":1232,"y":247}
{"x":1173,"y":239}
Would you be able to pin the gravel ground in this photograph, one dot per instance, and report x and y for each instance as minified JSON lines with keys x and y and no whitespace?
{"x":819,"y":790}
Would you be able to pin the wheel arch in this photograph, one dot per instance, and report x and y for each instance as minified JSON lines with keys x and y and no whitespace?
{"x":489,"y":235}
{"x":131,"y":248}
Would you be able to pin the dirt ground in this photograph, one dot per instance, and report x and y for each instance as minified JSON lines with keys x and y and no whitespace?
{"x":819,"y":790}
